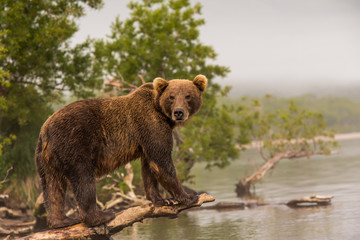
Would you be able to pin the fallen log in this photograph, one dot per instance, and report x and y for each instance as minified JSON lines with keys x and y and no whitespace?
{"x":313,"y":200}
{"x":122,"y":219}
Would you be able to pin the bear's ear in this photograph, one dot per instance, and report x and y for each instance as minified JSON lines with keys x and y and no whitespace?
{"x":200,"y":82}
{"x":160,"y":84}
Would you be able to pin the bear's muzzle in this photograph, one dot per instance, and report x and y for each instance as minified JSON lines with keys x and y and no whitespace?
{"x":179,"y":115}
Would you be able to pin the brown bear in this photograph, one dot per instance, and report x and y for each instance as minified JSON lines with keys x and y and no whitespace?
{"x":90,"y":138}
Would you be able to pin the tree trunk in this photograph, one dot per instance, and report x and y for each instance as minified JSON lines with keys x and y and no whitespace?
{"x":244,"y":185}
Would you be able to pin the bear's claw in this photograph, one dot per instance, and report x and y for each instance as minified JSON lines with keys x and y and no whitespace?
{"x":171,"y":202}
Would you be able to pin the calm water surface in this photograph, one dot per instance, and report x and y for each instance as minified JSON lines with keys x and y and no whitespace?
{"x":337,"y":175}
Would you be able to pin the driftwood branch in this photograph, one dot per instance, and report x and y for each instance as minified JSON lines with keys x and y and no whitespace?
{"x":123,"y":219}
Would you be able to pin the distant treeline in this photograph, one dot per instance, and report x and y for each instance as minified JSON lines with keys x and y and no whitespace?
{"x":342,"y":114}
{"x":288,"y":90}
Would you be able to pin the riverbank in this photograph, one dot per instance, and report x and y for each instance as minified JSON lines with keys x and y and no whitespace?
{"x":338,"y":137}
{"x":347,"y":136}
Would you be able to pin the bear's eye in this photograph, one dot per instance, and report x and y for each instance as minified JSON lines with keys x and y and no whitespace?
{"x":188,"y":97}
{"x":171,"y":97}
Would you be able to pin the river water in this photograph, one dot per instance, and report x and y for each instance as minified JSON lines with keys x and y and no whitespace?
{"x":336,"y":175}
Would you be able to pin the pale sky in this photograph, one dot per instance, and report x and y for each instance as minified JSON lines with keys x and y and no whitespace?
{"x":269,"y":41}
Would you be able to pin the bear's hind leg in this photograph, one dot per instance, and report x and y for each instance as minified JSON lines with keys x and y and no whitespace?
{"x":84,"y":188}
{"x":150,"y":182}
{"x":54,"y":189}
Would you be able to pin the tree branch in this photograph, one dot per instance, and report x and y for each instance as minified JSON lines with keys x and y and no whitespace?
{"x":261,"y":151}
{"x":123,"y":219}
{"x":120,"y":84}
{"x":141,"y":78}
{"x":129,"y":178}
{"x":6,"y":176}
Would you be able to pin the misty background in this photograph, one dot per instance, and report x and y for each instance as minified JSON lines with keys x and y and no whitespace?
{"x":281,"y":47}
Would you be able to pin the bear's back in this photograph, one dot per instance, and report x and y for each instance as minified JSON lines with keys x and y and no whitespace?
{"x":97,"y":111}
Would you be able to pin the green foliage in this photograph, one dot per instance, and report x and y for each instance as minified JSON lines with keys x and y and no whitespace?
{"x":4,"y":141}
{"x":248,"y":113}
{"x":210,"y":134}
{"x":4,"y":75}
{"x":38,"y":62}
{"x":24,"y":117}
{"x":38,"y":51}
{"x":161,"y":39}
{"x":341,"y":114}
{"x":293,"y":130}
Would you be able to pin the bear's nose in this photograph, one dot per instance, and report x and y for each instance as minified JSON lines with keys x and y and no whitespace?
{"x":179,"y":113}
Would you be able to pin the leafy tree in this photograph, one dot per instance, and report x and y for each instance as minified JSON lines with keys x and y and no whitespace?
{"x":4,"y":141}
{"x":342,"y":114}
{"x":161,"y":38}
{"x":287,"y":133}
{"x":39,"y":62}
{"x":3,"y":103}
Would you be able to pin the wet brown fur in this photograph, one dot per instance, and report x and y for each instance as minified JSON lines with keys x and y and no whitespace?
{"x":91,"y":138}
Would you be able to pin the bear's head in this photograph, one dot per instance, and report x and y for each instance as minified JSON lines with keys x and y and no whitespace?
{"x":180,"y":99}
